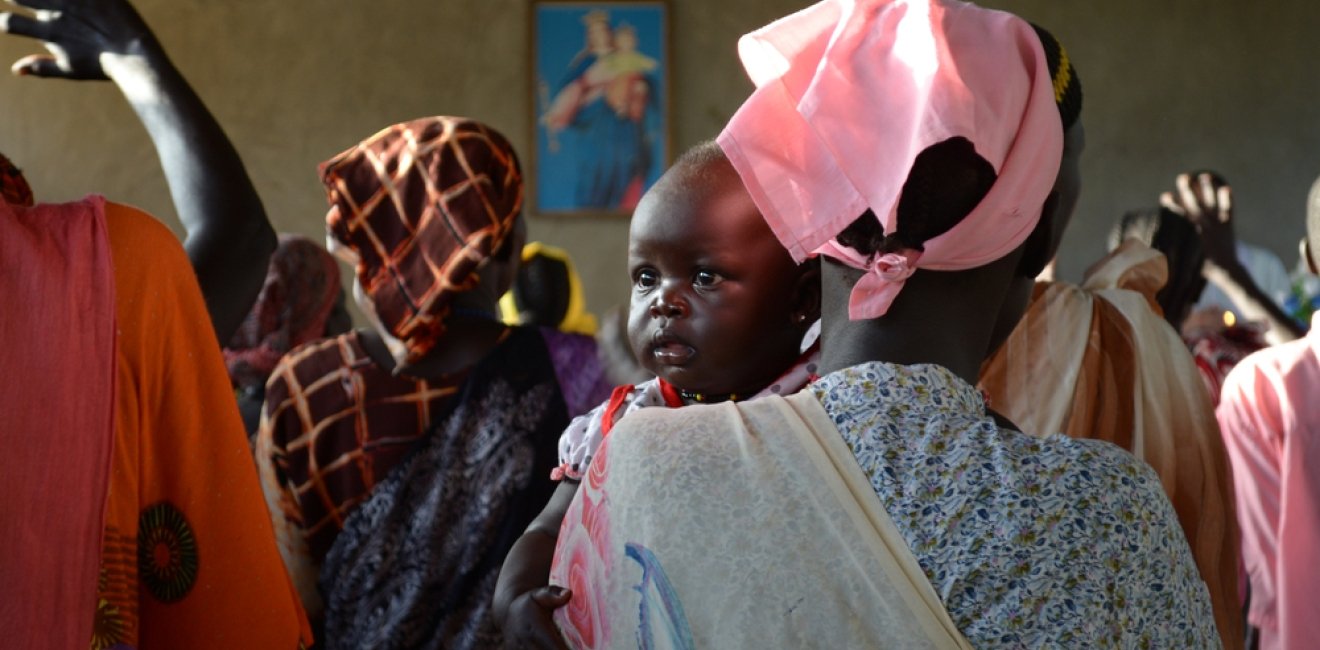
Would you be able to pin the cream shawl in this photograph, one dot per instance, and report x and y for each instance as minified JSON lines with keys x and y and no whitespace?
{"x":738,"y":526}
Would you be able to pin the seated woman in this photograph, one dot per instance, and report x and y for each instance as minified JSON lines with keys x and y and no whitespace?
{"x":886,"y":505}
{"x":400,"y":463}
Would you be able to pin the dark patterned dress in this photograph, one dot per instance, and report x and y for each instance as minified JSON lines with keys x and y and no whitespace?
{"x":396,"y":501}
{"x":416,"y":563}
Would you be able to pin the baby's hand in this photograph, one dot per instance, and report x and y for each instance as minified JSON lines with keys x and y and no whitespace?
{"x":529,"y":624}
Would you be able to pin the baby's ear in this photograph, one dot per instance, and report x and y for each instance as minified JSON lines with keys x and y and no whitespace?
{"x":806,"y":294}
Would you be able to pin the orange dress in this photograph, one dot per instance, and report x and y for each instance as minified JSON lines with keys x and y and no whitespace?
{"x":188,"y":557}
{"x":1098,"y":361}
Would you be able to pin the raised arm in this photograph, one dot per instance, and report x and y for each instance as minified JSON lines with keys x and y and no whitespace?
{"x":229,"y":239}
{"x":1209,"y":207}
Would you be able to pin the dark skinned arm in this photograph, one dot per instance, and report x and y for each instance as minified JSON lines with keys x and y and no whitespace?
{"x":1210,"y":208}
{"x":523,"y":599}
{"x":229,"y":240}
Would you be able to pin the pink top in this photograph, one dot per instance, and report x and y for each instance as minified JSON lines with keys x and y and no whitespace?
{"x":1271,"y":427}
{"x":850,"y":91}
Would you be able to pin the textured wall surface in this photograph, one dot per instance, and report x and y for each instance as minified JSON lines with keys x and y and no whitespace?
{"x":1169,"y":85}
{"x":1177,"y":85}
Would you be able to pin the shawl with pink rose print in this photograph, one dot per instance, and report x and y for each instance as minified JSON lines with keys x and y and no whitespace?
{"x":778,"y":501}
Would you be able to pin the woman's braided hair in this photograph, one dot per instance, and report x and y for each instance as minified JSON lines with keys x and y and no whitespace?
{"x":947,"y":181}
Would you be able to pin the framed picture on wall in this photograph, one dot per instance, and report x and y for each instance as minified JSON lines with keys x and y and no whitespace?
{"x":601,"y":98}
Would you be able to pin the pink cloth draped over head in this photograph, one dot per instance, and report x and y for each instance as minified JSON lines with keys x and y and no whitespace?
{"x":848,"y":92}
{"x":301,"y":287}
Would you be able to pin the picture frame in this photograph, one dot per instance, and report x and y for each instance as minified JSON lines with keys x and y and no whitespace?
{"x":600,"y":104}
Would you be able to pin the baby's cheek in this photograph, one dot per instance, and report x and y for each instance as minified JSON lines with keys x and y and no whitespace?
{"x":639,"y":334}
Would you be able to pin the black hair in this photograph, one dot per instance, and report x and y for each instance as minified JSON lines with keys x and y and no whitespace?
{"x":947,"y":181}
{"x":696,"y":167}
{"x":701,"y":155}
{"x":541,"y":291}
{"x":1067,"y":87}
{"x":1175,"y":237}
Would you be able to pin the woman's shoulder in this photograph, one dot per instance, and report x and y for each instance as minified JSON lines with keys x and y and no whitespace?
{"x":1105,"y":489}
{"x":1101,"y":517}
{"x":135,"y":224}
{"x":305,"y":370}
{"x":320,"y":356}
{"x":1086,"y":463}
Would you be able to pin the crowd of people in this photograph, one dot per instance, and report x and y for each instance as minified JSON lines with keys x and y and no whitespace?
{"x":846,"y":405}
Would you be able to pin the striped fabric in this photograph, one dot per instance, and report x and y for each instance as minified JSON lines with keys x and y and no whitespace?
{"x":419,"y":207}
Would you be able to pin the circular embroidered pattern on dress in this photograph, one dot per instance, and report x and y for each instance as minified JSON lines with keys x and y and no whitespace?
{"x":167,"y":553}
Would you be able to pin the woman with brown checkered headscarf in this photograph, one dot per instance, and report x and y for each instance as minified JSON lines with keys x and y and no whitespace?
{"x":403,"y":461}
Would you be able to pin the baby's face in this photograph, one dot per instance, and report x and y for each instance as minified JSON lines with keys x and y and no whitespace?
{"x":712,"y":290}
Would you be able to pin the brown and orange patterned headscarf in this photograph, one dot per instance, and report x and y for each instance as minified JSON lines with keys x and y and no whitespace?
{"x":420,"y":207}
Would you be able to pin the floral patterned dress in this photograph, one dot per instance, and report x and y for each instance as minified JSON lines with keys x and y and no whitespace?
{"x":1029,"y":542}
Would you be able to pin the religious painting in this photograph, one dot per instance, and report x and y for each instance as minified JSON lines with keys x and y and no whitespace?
{"x":600,"y":75}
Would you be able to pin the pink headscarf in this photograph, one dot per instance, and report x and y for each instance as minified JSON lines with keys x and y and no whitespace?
{"x":850,"y":91}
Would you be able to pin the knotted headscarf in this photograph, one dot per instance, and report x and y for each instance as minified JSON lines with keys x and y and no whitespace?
{"x":418,"y":209}
{"x":302,"y":285}
{"x":849,"y":92}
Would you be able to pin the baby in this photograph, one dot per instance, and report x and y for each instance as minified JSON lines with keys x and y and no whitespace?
{"x":719,"y":312}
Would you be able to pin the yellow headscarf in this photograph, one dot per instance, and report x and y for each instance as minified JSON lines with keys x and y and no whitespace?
{"x":577,"y":320}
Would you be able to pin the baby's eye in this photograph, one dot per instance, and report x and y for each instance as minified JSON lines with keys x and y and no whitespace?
{"x":646,"y":279}
{"x":706,"y":279}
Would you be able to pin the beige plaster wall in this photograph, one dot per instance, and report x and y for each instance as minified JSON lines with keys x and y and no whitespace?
{"x":1169,"y":85}
{"x":1174,"y":85}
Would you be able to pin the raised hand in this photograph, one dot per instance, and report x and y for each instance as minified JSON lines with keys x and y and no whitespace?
{"x":229,"y":239}
{"x":1209,"y":206}
{"x":85,"y":38}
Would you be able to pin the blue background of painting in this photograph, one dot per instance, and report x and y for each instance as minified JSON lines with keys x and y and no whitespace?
{"x":560,"y":37}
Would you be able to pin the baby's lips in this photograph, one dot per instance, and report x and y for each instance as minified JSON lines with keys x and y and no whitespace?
{"x":673,"y":353}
